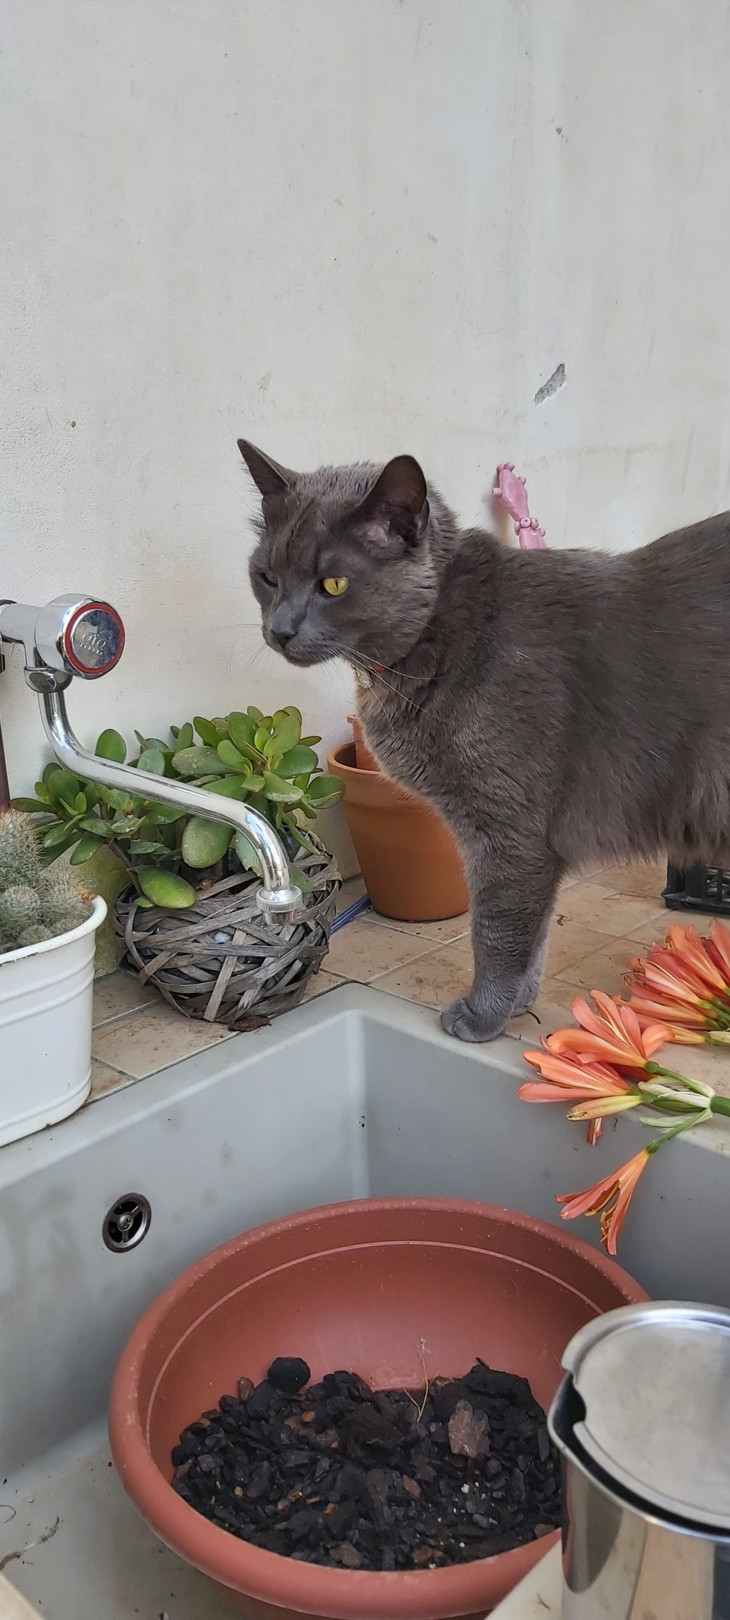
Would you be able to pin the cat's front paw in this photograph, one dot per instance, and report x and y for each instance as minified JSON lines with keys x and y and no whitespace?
{"x":460,"y":1020}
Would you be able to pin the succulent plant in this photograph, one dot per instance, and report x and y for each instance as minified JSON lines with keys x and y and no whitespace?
{"x":260,"y":759}
{"x":35,"y":904}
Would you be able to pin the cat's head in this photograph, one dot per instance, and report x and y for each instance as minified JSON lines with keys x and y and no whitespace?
{"x":344,"y":566}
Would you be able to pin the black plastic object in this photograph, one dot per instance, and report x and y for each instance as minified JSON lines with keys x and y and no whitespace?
{"x":698,"y":888}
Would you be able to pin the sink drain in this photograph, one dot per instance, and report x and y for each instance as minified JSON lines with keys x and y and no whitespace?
{"x":126,"y":1223}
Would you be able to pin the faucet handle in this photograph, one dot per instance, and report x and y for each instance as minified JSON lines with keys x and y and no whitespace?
{"x":85,"y":634}
{"x":73,"y":635}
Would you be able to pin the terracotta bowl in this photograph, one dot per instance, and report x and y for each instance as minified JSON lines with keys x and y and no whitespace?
{"x":381,"y":1288}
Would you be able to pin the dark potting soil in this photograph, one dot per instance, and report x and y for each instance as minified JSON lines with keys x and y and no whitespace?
{"x":339,"y":1474}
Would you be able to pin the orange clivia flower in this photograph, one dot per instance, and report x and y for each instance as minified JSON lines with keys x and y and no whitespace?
{"x":718,"y":948}
{"x":609,"y":1198}
{"x":611,"y":1035}
{"x":686,"y":945}
{"x":685,"y":983}
{"x":660,"y":973}
{"x":591,"y":1090}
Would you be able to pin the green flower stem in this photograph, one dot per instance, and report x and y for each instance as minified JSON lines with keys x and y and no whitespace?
{"x":659,"y":1073}
{"x":719,"y":1105}
{"x":653,"y":1147}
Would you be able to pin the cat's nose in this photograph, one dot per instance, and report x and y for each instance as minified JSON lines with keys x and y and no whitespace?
{"x":283,"y":625}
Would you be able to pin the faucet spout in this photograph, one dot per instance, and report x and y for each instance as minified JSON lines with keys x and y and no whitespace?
{"x":278,"y":895}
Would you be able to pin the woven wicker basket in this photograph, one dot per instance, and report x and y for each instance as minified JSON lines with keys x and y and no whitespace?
{"x":221,"y":959}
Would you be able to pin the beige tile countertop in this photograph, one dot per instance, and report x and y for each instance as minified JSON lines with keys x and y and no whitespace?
{"x":601,"y":921}
{"x":12,"y":1605}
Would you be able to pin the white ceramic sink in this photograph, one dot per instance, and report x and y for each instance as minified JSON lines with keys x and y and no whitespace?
{"x":351,"y":1095}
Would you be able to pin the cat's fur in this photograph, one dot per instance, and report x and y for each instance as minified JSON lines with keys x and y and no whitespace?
{"x":558,"y":707}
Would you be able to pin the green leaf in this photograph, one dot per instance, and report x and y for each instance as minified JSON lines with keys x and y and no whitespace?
{"x":116,"y":799}
{"x":48,"y":771}
{"x":184,"y":737}
{"x":298,"y":761}
{"x":92,"y":794}
{"x":84,"y":850}
{"x":247,"y":855}
{"x":62,"y":784}
{"x":152,"y":759}
{"x":259,"y":802}
{"x":110,"y":745}
{"x":97,"y":826}
{"x":287,"y":729}
{"x":325,"y":790}
{"x":146,"y":846}
{"x":31,"y":806}
{"x":241,"y":729}
{"x":198,"y":761}
{"x":279,"y":791}
{"x":254,"y":783}
{"x":206,"y":730}
{"x":260,"y":739}
{"x":165,"y":888}
{"x":204,"y":843}
{"x":310,"y":742}
{"x":162,"y":815}
{"x":80,"y":805}
{"x":61,"y":836}
{"x":144,"y":905}
{"x":300,"y":878}
{"x":230,"y":756}
{"x":43,"y":793}
{"x":254,"y":714}
{"x":232,"y":787}
{"x":125,"y":826}
{"x":290,"y":822}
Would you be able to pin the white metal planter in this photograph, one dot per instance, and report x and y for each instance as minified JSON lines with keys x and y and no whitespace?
{"x":46,"y":994}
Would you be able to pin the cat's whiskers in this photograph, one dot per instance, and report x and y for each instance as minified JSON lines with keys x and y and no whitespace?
{"x":375,"y":668}
{"x":375,"y":671}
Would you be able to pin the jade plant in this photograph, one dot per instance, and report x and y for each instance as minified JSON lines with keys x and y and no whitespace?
{"x":260,"y":759}
{"x":35,"y":904}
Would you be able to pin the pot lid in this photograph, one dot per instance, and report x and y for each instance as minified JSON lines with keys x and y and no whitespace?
{"x":655,"y":1382}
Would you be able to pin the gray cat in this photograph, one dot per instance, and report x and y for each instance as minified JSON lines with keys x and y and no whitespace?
{"x":558,"y":707}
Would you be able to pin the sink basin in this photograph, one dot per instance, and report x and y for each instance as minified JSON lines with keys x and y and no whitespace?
{"x":354,"y":1095}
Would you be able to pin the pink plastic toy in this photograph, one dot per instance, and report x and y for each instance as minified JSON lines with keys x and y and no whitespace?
{"x":511,"y":490}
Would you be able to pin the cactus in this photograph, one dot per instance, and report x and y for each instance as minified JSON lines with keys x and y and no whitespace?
{"x":19,"y":853}
{"x":35,"y":904}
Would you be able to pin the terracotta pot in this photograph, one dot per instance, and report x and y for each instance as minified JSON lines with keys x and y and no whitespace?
{"x":387,"y":1288}
{"x":364,"y":760}
{"x":408,"y":856}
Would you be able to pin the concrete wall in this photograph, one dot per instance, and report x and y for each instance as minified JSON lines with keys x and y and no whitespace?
{"x":345,"y":228}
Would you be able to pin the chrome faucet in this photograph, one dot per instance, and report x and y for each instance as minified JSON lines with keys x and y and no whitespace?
{"x":77,"y":635}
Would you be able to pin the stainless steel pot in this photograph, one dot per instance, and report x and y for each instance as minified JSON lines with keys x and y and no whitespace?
{"x":642,"y":1420}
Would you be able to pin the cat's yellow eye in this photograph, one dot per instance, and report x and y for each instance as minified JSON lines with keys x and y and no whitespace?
{"x":335,"y":587}
{"x":269,"y":579}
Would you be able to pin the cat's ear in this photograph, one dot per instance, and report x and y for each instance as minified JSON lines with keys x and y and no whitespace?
{"x":271,"y":480}
{"x":398,"y":502}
